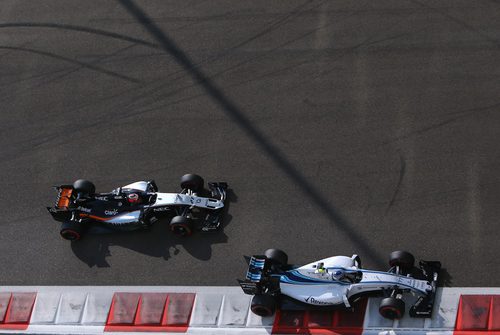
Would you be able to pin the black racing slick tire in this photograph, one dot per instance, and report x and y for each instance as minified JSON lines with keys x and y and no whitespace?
{"x":181,"y":225}
{"x":277,"y":256}
{"x":263,"y":305}
{"x":403,"y":259}
{"x":84,"y":186}
{"x":192,"y":182}
{"x":71,"y":231}
{"x":392,"y":308}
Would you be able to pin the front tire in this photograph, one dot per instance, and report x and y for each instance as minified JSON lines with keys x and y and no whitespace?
{"x":263,"y":305}
{"x":71,"y":231}
{"x":403,"y":259}
{"x":277,"y":256}
{"x":192,"y":182}
{"x":392,"y":308}
{"x":181,"y":225}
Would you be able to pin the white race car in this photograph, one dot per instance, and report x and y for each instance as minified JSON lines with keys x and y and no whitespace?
{"x":340,"y":281}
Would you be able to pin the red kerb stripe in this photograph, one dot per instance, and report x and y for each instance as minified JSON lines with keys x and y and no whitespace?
{"x":16,"y":309}
{"x":321,"y":321}
{"x":150,"y":312}
{"x":478,"y":315}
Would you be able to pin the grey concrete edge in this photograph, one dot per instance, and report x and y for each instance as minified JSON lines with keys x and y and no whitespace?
{"x":83,"y":310}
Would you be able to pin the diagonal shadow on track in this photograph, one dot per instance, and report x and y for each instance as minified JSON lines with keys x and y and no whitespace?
{"x":231,"y":109}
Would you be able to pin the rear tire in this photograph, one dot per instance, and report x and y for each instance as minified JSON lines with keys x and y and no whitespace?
{"x":181,"y":225}
{"x":277,"y":256}
{"x":84,"y":186}
{"x":192,"y":182}
{"x":403,"y":259}
{"x":392,"y":308}
{"x":263,"y":305}
{"x":71,"y":231}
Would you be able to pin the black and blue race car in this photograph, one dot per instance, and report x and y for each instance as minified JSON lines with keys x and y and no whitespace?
{"x":137,"y":206}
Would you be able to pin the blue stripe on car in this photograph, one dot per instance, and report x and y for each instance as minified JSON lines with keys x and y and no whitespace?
{"x":296,"y":278}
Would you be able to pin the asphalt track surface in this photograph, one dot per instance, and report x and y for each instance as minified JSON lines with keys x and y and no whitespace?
{"x":341,"y":126}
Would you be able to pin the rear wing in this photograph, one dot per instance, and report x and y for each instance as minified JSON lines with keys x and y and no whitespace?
{"x":64,"y":193}
{"x":258,"y":278}
{"x":424,"y":305}
{"x":63,"y":200}
{"x":256,"y":267}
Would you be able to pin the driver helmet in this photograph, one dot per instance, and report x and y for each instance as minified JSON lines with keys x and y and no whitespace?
{"x":338,"y":274}
{"x":133,"y":198}
{"x":320,"y":268}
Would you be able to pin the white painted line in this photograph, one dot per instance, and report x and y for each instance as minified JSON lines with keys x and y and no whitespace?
{"x":97,"y":308}
{"x":234,"y":310}
{"x":206,"y":309}
{"x":71,"y":307}
{"x":45,"y":308}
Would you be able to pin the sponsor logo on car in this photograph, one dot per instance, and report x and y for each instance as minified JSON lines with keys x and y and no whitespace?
{"x":311,"y":300}
{"x":102,"y":198}
{"x":111,"y":212}
{"x":161,"y":209}
{"x":84,"y":209}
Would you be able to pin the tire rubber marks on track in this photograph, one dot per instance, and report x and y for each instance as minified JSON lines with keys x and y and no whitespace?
{"x":73,"y":61}
{"x":402,"y":172}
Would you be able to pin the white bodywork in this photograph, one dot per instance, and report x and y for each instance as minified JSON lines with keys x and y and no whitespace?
{"x":127,"y":217}
{"x":176,"y":199}
{"x":138,"y":185}
{"x":314,"y":287}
